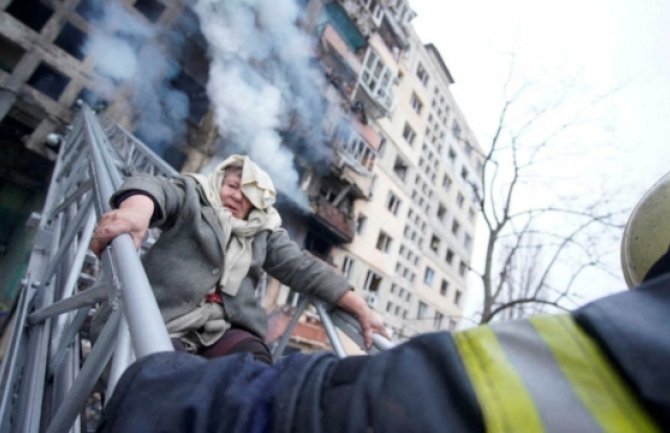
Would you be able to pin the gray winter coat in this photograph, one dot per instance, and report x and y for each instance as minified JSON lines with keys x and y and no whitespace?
{"x":186,"y":261}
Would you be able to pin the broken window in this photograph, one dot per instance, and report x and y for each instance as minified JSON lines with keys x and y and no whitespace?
{"x":49,"y":81}
{"x":71,"y":39}
{"x":32,"y":13}
{"x":372,"y":281}
{"x":151,"y":9}
{"x":198,"y":102}
{"x":10,"y":54}
{"x":90,"y":9}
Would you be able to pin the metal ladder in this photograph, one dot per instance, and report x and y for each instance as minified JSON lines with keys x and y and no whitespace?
{"x":48,"y":373}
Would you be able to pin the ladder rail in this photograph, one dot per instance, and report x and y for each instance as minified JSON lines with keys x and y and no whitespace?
{"x":43,"y":383}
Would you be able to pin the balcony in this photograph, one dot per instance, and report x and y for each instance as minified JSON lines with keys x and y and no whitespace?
{"x":378,"y":103}
{"x":341,"y":65}
{"x":335,"y":221}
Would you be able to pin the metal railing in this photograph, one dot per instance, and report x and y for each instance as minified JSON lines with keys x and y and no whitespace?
{"x":48,"y":373}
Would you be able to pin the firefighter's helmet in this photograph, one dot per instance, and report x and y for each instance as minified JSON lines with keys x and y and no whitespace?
{"x":647,"y":234}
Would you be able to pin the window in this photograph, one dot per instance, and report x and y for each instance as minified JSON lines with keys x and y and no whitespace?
{"x":389,"y":305}
{"x":377,"y":79}
{"x":400,"y":168}
{"x":471,"y":214}
{"x":360,"y":223}
{"x":151,"y":9}
{"x":32,"y":13}
{"x":49,"y":81}
{"x":434,"y":243}
{"x":457,"y":298}
{"x":462,"y":267}
{"x":452,"y":325}
{"x":460,"y":199}
{"x":71,"y":39}
{"x":198,"y":101}
{"x":422,"y":74}
{"x":451,"y":155}
{"x":446,"y":182}
{"x":408,"y":134}
{"x":384,"y":242}
{"x":372,"y":281}
{"x":467,"y":241}
{"x":455,"y":227}
{"x":444,"y":288}
{"x":416,"y":103}
{"x":355,"y":146}
{"x":437,"y":321}
{"x":428,"y":276}
{"x":392,"y":203}
{"x":347,"y":265}
{"x":441,"y":212}
{"x":382,"y":147}
{"x":456,"y":130}
{"x":468,"y":148}
{"x":10,"y":54}
{"x":422,"y":311}
{"x":450,"y":256}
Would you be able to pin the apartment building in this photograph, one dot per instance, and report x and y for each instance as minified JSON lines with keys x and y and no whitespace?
{"x":414,"y":234}
{"x":391,"y":209}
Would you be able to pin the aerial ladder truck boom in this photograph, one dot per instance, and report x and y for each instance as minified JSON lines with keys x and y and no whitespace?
{"x":44,"y":384}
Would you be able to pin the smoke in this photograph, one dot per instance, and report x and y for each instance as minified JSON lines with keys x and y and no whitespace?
{"x":266,"y":92}
{"x":130,"y":53}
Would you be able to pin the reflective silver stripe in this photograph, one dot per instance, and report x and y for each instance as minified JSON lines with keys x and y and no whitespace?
{"x":559,"y":407}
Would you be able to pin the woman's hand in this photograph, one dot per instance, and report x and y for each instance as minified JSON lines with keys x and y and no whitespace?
{"x":368,"y":319}
{"x":133,"y":216}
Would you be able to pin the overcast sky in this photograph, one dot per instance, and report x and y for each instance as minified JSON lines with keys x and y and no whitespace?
{"x":595,"y":46}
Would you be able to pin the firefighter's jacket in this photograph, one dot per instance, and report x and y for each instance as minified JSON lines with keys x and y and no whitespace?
{"x":603,"y":368}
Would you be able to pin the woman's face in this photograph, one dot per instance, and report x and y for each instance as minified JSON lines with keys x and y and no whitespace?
{"x":232,"y":197}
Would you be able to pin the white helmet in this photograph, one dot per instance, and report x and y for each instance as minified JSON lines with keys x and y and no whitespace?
{"x":647,"y":234}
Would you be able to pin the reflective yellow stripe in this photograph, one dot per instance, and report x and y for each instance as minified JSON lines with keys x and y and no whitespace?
{"x":593,"y":379}
{"x":506,"y":405}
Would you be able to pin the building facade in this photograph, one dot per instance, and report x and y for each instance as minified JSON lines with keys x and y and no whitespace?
{"x":391,"y":209}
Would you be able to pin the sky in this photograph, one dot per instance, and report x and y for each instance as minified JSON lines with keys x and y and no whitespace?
{"x":614,"y":51}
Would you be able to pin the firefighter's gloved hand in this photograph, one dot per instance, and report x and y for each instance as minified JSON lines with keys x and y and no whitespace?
{"x":133,"y":216}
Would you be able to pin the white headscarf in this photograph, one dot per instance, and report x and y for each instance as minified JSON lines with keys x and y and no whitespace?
{"x":238,"y":234}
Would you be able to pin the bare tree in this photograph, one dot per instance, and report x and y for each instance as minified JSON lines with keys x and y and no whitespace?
{"x":535,"y":248}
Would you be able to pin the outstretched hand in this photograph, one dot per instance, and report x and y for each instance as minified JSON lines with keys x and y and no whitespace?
{"x":368,"y":319}
{"x":133,"y":216}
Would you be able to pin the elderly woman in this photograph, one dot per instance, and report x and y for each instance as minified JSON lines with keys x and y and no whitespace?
{"x":219,"y":233}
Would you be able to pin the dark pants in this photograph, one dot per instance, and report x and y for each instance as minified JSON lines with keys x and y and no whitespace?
{"x":235,"y":340}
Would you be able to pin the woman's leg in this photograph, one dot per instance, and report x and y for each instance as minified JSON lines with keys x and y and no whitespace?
{"x":236,"y":340}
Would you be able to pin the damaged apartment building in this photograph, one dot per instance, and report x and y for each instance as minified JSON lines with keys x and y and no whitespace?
{"x":390,"y":205}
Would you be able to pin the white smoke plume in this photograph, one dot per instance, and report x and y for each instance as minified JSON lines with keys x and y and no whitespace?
{"x":261,"y":82}
{"x":128,"y":51}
